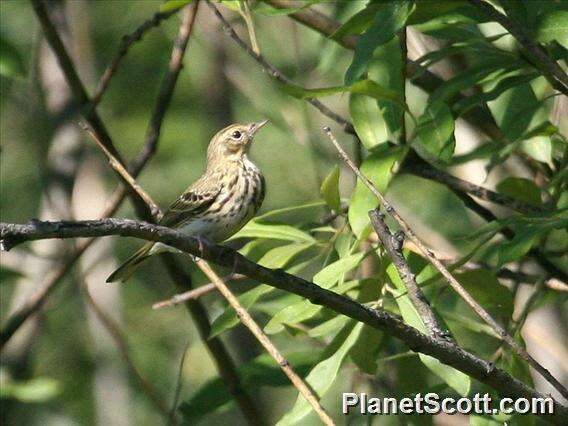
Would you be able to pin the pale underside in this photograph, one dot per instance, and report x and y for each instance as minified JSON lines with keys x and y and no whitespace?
{"x":229,"y":206}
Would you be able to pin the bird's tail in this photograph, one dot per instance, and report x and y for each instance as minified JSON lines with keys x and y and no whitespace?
{"x":127,"y":268}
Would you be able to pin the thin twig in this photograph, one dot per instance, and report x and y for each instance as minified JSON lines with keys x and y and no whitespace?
{"x":275,"y":73}
{"x":221,"y":357}
{"x":244,"y":11}
{"x":478,"y":116}
{"x":195,"y":293}
{"x":122,"y":346}
{"x":428,"y":254}
{"x":393,"y":244}
{"x":125,"y":44}
{"x":427,"y":171}
{"x":249,"y":322}
{"x":119,"y":168}
{"x":446,"y":352}
{"x":167,"y":85}
{"x":548,"y":66}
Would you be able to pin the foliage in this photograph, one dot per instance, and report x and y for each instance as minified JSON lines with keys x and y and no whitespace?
{"x":396,"y":122}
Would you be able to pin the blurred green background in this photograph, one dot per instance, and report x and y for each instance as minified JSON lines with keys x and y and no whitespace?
{"x":65,"y":369}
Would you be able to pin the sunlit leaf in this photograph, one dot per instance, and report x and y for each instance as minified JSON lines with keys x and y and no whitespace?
{"x":326,"y":278}
{"x":435,"y":131}
{"x":378,"y":167}
{"x":36,"y":390}
{"x":362,"y":87}
{"x":275,"y":258}
{"x":553,"y":26}
{"x":173,"y":5}
{"x":330,"y":189}
{"x":254,"y":229}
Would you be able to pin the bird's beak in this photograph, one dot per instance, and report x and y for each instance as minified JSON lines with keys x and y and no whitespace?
{"x":255,"y":127}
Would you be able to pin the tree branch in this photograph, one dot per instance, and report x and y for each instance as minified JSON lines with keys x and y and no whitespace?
{"x":393,"y":245}
{"x":219,"y":353}
{"x":479,"y":117}
{"x":458,"y":288}
{"x":125,"y":44}
{"x":540,"y":60}
{"x":446,"y":352}
{"x":275,"y":73}
{"x":249,"y":322}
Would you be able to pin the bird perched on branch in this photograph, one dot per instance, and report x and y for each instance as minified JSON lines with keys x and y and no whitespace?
{"x":219,"y":203}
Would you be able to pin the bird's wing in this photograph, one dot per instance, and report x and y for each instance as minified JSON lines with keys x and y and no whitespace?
{"x":196,"y":199}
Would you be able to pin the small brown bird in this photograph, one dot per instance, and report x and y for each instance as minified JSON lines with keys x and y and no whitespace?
{"x":219,"y":203}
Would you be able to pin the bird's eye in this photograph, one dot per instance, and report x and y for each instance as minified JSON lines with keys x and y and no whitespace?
{"x":236,"y":134}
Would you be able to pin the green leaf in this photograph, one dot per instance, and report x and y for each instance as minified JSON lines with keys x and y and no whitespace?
{"x":254,"y":229}
{"x":366,"y":114}
{"x":358,"y":22}
{"x":261,"y":371}
{"x":302,"y":310}
{"x":435,"y":131}
{"x":364,"y":352}
{"x":450,"y":88}
{"x":326,"y":278}
{"x":173,"y":5}
{"x":522,"y":189}
{"x":322,"y":376}
{"x":330,"y":190}
{"x":36,"y":390}
{"x":268,"y":10}
{"x":553,"y":26}
{"x":302,"y":208}
{"x":378,"y":167}
{"x":428,"y":10}
{"x":486,"y":289}
{"x":362,"y":87}
{"x":515,"y":249}
{"x":330,"y":326}
{"x":388,"y":21}
{"x":11,"y":62}
{"x":276,"y":258}
{"x":465,"y":104}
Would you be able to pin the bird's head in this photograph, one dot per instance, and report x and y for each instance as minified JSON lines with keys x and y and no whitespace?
{"x":231,"y":143}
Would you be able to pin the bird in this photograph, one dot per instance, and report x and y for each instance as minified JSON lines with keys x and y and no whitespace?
{"x":218,"y":204}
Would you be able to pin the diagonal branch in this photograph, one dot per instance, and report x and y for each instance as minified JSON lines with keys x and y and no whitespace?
{"x":393,"y":244}
{"x":478,"y":116}
{"x":548,"y":66}
{"x":448,"y":353}
{"x":223,"y":361}
{"x":125,"y":44}
{"x":250,"y":323}
{"x":458,"y":288}
{"x":275,"y":73}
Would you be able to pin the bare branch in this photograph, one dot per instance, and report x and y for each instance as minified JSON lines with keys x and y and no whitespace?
{"x":125,"y":44}
{"x":393,"y":244}
{"x":194,"y":294}
{"x":447,"y":352}
{"x":459,"y":289}
{"x":275,"y":73}
{"x":249,"y":322}
{"x":223,"y":361}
